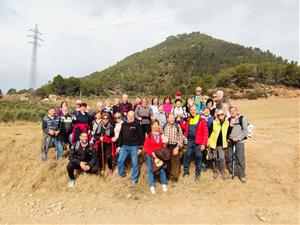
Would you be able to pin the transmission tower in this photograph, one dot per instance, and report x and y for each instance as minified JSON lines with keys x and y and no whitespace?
{"x":34,"y":34}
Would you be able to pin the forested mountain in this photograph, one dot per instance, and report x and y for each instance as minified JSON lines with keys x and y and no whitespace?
{"x":182,"y":62}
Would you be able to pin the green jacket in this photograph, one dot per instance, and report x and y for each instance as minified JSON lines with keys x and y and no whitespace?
{"x":215,"y":134}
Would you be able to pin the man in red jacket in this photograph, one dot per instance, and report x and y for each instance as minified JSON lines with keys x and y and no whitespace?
{"x":196,"y":132}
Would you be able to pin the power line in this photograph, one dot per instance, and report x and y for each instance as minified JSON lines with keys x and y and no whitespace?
{"x":148,"y":19}
{"x":34,"y":34}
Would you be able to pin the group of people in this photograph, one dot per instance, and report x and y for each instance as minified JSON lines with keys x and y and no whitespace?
{"x":166,"y":134}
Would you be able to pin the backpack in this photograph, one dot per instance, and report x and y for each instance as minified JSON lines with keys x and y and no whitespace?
{"x":250,"y":128}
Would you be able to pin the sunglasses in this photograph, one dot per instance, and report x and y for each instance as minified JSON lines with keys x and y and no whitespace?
{"x":198,"y":90}
{"x":117,"y":117}
{"x":221,"y":114}
{"x":105,"y":118}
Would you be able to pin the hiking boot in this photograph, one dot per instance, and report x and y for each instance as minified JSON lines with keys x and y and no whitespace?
{"x":197,"y":178}
{"x":224,"y":177}
{"x":152,"y":190}
{"x":164,"y":187}
{"x":243,"y":179}
{"x":101,"y":173}
{"x":186,"y":174}
{"x":71,"y":183}
{"x":215,"y":175}
{"x":204,"y":169}
{"x":173,"y":183}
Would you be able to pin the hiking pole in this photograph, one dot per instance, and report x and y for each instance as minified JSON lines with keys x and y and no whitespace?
{"x":233,"y":160}
{"x":102,"y":154}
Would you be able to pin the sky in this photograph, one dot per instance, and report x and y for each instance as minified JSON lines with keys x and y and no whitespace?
{"x":81,"y":37}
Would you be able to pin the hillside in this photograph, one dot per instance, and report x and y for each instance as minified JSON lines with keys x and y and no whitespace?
{"x":31,"y":192}
{"x":180,"y":63}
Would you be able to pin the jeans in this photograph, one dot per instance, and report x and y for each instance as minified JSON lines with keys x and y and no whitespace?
{"x":192,"y":149}
{"x":162,"y":173}
{"x":133,"y":151}
{"x":48,"y":141}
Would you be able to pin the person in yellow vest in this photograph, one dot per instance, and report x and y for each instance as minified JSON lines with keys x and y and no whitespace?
{"x":218,"y":142}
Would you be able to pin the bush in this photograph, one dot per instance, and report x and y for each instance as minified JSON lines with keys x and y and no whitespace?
{"x":12,"y":110}
{"x":251,"y":95}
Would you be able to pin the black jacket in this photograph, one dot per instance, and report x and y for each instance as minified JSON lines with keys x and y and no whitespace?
{"x":78,"y":154}
{"x":131,"y":134}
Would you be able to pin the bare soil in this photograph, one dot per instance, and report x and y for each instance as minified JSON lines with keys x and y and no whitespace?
{"x":35,"y":192}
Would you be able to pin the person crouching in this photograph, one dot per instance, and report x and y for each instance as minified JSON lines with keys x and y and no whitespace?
{"x":82,"y":157}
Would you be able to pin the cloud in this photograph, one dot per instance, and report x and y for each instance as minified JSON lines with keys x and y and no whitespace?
{"x":86,"y":36}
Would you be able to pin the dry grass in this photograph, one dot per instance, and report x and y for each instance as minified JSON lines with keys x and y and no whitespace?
{"x":32,"y":192}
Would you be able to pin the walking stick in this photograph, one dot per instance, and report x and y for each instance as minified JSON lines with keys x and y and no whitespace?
{"x":233,"y":159}
{"x":102,"y":155}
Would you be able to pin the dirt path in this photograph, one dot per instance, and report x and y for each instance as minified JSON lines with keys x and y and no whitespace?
{"x":31,"y":192}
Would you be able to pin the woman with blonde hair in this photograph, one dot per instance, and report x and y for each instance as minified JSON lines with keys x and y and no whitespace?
{"x":218,"y":142}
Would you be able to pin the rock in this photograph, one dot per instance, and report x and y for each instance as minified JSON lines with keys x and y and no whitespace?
{"x":52,"y":98}
{"x":128,"y":196}
{"x":52,"y":206}
{"x":32,"y":203}
{"x":3,"y":195}
{"x":263,"y":215}
{"x":95,"y":209}
{"x":45,"y":100}
{"x":59,"y":208}
{"x":30,"y":195}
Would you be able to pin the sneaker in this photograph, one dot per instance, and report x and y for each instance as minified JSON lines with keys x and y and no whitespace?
{"x":71,"y":183}
{"x":44,"y":157}
{"x":243,"y":179}
{"x":197,"y":178}
{"x":133,"y":183}
{"x":110,"y":173}
{"x":215,"y":175}
{"x":164,"y":187}
{"x":152,"y":190}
